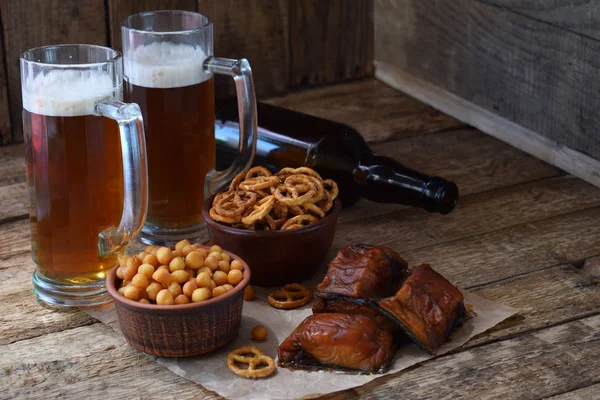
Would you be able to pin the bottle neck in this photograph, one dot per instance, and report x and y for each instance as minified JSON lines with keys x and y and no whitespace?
{"x":383,"y":179}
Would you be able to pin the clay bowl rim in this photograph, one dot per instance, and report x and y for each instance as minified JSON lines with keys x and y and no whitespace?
{"x":111,"y":287}
{"x":330,"y":218}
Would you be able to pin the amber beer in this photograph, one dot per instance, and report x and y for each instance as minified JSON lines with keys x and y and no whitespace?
{"x":75,"y":176}
{"x":176,"y":96}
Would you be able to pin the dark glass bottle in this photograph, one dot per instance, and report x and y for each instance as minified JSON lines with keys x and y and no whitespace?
{"x":291,"y":139}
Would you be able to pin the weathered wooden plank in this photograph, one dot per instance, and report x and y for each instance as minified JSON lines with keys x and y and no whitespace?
{"x":5,"y":130}
{"x":512,"y":251}
{"x":377,"y":111}
{"x":527,"y":71}
{"x":584,"y":393}
{"x":12,"y":166}
{"x":474,"y":215}
{"x":118,"y":10}
{"x":13,"y":202}
{"x":257,"y":31}
{"x":97,"y":364}
{"x":330,"y":41}
{"x":581,"y":16}
{"x":32,"y":23}
{"x":14,"y":239}
{"x":533,"y":365}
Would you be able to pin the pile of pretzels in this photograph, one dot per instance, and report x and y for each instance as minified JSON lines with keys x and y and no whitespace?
{"x":290,"y":199}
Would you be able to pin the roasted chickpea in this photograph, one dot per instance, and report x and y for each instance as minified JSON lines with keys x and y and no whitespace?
{"x":180,"y":276}
{"x":215,"y":248}
{"x":216,"y":255}
{"x":189,"y":287}
{"x":220,"y":278}
{"x":228,"y":287}
{"x":236,"y":264}
{"x":211,"y":263}
{"x":129,"y":272}
{"x":218,"y":291}
{"x":225,"y":257}
{"x":259,"y":333}
{"x":175,"y":289}
{"x":194,"y":260}
{"x":133,"y":262}
{"x":162,"y":275}
{"x":144,"y":301}
{"x":191,"y":273}
{"x":164,"y":255}
{"x":202,"y":251}
{"x":140,"y":280}
{"x":132,"y":292}
{"x":177,"y":253}
{"x":223,"y":266}
{"x":203,"y":280}
{"x":152,"y":260}
{"x":149,"y":249}
{"x":125,"y":283}
{"x":121,"y":291}
{"x":140,"y":256}
{"x":205,"y":269}
{"x":201,"y":294}
{"x":181,"y":244}
{"x":182,"y":299}
{"x":235,"y":276}
{"x":187,"y":250}
{"x":248,"y":293}
{"x":120,"y":273}
{"x":212,"y":284}
{"x":153,"y":290}
{"x":123,"y":260}
{"x":155,"y":250}
{"x":146,"y":269}
{"x":164,"y":297}
{"x":177,"y":264}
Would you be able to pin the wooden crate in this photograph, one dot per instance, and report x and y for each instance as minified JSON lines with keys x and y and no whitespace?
{"x":289,"y":44}
{"x":525,"y":72}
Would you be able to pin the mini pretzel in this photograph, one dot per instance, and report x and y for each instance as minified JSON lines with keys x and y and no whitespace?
{"x":257,"y":359}
{"x":333,"y":191}
{"x":233,"y":204}
{"x":257,"y":171}
{"x":292,"y":295}
{"x":228,"y":220}
{"x":326,"y":203}
{"x":259,"y":213}
{"x":236,"y":182}
{"x":259,"y":182}
{"x":298,"y":190}
{"x":315,"y":209}
{"x":302,"y":220}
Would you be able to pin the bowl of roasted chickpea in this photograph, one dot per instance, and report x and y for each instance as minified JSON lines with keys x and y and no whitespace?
{"x":180,"y":301}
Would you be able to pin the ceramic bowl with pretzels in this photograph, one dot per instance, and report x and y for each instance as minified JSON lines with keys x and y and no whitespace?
{"x":181,"y":330}
{"x":281,"y":224}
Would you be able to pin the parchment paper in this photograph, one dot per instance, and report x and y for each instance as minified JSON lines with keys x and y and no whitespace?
{"x":211,"y":371}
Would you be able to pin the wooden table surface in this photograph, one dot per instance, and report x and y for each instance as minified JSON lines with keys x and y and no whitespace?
{"x":524,"y":234}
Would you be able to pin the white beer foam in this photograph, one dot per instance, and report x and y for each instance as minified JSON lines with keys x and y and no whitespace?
{"x":67,"y":93}
{"x":166,"y":65}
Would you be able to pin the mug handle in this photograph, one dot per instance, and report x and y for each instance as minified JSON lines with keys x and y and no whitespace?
{"x":241,"y":73}
{"x":135,"y":175}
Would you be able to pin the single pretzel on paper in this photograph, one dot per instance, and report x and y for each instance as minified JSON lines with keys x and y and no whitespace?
{"x":254,"y":361}
{"x":292,"y":295}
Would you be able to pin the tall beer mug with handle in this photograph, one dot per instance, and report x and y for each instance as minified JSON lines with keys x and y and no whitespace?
{"x":86,"y":169}
{"x":169,"y":68}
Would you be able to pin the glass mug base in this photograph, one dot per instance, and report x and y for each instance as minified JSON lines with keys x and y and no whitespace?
{"x":62,"y":295}
{"x":159,"y":236}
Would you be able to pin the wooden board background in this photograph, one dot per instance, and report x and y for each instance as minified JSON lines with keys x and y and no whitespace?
{"x":290,"y":44}
{"x":532,"y":62}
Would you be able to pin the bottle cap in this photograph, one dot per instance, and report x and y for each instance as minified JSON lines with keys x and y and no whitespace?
{"x":440,"y":195}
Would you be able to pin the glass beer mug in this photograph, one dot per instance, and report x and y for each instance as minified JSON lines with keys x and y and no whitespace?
{"x":169,"y":68}
{"x":86,"y":169}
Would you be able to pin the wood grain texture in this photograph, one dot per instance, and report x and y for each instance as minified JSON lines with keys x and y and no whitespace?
{"x":377,"y":111}
{"x":14,"y":240}
{"x":12,"y":164}
{"x":474,"y":215}
{"x":584,"y":393}
{"x":533,"y":365}
{"x":13,"y":202}
{"x":118,"y":10}
{"x":580,"y":16}
{"x":256,"y":30}
{"x":330,"y":41}
{"x":574,"y":162}
{"x":530,"y":72}
{"x":5,"y":127}
{"x":32,"y":23}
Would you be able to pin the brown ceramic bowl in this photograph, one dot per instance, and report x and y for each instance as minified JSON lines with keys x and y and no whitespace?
{"x":281,"y":257}
{"x":181,"y":330}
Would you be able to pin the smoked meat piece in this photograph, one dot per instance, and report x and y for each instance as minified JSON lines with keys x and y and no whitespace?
{"x":337,"y":341}
{"x":427,"y":307}
{"x":362,"y":271}
{"x":351,"y":308}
